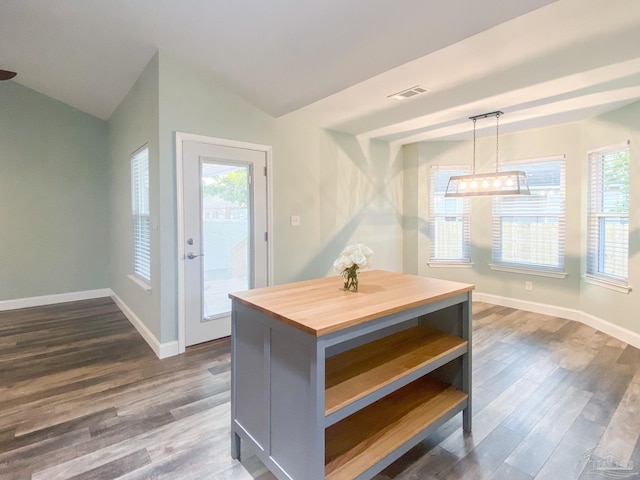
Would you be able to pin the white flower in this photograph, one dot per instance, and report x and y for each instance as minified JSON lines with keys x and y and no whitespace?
{"x":353,"y":255}
{"x":342,"y":263}
{"x":359,"y":258}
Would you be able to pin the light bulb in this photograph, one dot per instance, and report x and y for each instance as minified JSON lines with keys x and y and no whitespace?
{"x":463,"y":185}
{"x":509,"y":182}
{"x":496,"y":182}
{"x":485,"y":184}
{"x":474,"y":184}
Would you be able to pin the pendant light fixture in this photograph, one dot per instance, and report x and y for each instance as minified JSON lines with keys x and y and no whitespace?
{"x":487,"y":184}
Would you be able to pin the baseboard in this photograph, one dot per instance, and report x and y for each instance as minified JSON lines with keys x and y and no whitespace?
{"x":616,"y":331}
{"x":162,"y":350}
{"x":53,"y":299}
{"x":528,"y":306}
{"x":169,"y":349}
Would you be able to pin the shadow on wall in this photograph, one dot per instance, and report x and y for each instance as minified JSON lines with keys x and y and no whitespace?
{"x":361,"y":195}
{"x":420,"y":224}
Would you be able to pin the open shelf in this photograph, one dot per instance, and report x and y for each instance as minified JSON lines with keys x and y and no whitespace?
{"x":361,"y":440}
{"x":329,"y":384}
{"x":356,"y":373}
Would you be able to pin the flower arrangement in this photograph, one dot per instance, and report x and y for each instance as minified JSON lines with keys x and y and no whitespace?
{"x":350,"y":261}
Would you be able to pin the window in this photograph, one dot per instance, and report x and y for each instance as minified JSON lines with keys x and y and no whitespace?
{"x":608,"y":214}
{"x":140,"y":214}
{"x":449,"y":230}
{"x":528,"y":230}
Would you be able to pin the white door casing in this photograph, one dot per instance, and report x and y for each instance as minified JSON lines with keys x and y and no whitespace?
{"x":203,"y":319}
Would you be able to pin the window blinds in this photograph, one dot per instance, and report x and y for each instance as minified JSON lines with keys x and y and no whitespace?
{"x":140,"y":214}
{"x":450,"y":223}
{"x":529,"y":231}
{"x":608,"y":214}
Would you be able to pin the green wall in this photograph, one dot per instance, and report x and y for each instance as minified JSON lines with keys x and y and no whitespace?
{"x":53,"y":197}
{"x":133,"y":124}
{"x":344,"y":190}
{"x":615,"y":127}
{"x":572,"y":140}
{"x":190,"y":101}
{"x":65,"y":195}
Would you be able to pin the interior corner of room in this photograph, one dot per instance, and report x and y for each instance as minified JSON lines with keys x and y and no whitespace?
{"x":131,"y":140}
{"x":344,"y":178}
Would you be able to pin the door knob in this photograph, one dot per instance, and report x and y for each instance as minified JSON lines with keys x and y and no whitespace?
{"x":191,"y":255}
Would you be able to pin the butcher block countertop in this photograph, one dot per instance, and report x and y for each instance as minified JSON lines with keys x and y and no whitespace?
{"x":321,"y":306}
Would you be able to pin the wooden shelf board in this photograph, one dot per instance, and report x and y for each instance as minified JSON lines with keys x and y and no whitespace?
{"x":356,"y":373}
{"x":366,"y":437}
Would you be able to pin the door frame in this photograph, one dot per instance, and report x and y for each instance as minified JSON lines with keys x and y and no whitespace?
{"x":180,"y":138}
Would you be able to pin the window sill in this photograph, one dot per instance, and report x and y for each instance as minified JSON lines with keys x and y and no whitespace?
{"x":528,"y":271}
{"x":450,"y":264}
{"x":141,"y":283}
{"x":616,"y":287}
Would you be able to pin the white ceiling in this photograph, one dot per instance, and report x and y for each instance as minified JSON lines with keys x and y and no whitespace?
{"x":334,"y":62}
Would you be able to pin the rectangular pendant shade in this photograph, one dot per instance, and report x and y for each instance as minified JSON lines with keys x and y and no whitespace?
{"x":488,"y":184}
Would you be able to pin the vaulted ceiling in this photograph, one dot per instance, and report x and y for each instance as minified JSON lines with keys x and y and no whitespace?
{"x":335,"y":63}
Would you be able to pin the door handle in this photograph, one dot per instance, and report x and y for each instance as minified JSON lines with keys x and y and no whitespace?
{"x":191,"y":255}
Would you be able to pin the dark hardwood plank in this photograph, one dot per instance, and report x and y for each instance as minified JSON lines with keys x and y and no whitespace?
{"x":573,"y":366}
{"x":82,"y":396}
{"x":538,"y":404}
{"x":487,"y":457}
{"x":507,"y":472}
{"x":116,"y":468}
{"x":538,"y":445}
{"x":569,"y":455}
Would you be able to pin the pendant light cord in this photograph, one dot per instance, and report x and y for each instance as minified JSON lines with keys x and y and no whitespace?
{"x":497,"y":138}
{"x":486,"y":115}
{"x":474,"y":147}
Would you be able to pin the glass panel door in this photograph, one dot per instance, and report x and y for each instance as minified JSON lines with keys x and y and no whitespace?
{"x":224,"y":214}
{"x":225,"y":204}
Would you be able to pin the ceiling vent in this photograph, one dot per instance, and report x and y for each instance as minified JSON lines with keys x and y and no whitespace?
{"x":410,"y":92}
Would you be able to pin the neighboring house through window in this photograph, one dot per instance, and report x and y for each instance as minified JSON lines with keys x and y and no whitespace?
{"x":529,"y":230}
{"x":450,"y":223}
{"x":140,"y":214}
{"x":608,"y":215}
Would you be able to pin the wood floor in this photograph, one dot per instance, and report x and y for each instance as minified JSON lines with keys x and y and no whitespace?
{"x":83,"y":397}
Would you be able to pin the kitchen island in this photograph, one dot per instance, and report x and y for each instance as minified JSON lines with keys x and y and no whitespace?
{"x":327,"y":383}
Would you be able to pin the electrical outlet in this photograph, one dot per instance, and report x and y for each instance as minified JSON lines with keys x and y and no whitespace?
{"x":528,"y":285}
{"x":294,"y":220}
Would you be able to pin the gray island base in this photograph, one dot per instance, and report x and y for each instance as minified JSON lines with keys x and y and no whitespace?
{"x":327,"y":383}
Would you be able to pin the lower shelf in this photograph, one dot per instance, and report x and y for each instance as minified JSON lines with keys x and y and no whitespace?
{"x":363,"y":439}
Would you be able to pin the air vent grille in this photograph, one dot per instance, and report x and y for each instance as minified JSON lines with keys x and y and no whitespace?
{"x":408,"y":93}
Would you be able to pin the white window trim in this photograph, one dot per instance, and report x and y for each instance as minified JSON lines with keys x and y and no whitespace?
{"x":615,"y":286}
{"x":532,"y":269}
{"x":539,"y":272}
{"x":449,"y":263}
{"x":616,"y":146}
{"x":140,"y":282}
{"x":602,"y":280}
